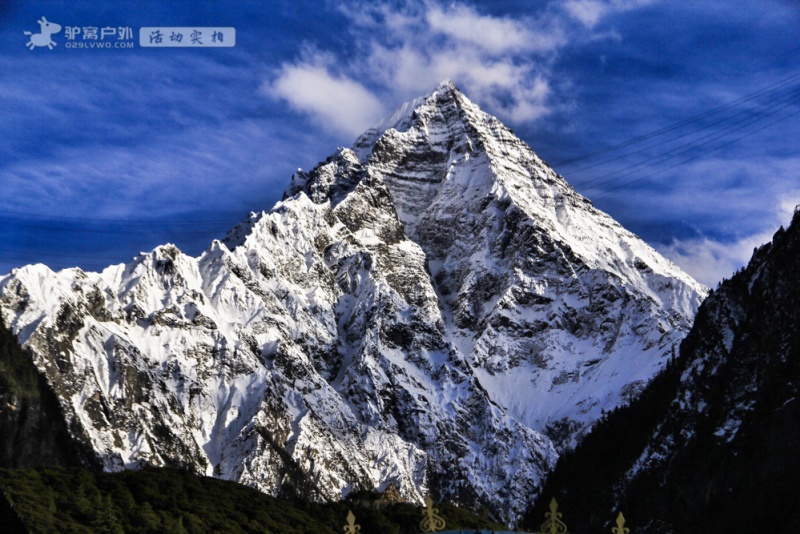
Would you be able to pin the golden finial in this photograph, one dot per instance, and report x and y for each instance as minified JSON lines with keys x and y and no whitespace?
{"x":351,"y":527}
{"x":620,"y":528}
{"x":553,"y":525}
{"x":431,"y":521}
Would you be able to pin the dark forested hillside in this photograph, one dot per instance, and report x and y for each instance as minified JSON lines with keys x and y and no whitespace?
{"x":154,"y":500}
{"x":713,"y":443}
{"x":33,"y":430}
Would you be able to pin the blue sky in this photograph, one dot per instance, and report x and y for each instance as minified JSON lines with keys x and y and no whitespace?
{"x":108,"y":152}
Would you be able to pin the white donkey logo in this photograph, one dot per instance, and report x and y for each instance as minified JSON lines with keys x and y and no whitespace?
{"x":43,"y":38}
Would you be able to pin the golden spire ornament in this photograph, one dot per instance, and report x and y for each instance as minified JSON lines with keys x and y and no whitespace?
{"x":554,"y":524}
{"x":351,"y":527}
{"x":620,"y":528}
{"x":431,"y":521}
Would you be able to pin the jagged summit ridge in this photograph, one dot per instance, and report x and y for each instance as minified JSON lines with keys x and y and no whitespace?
{"x":433,"y":308}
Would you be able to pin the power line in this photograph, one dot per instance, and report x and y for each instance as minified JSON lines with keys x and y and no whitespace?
{"x":684,"y":122}
{"x":687,"y":147}
{"x":748,"y":134}
{"x":745,"y":112}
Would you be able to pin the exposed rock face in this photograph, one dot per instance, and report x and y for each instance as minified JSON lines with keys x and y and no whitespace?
{"x":433,"y":308}
{"x":711,"y":445}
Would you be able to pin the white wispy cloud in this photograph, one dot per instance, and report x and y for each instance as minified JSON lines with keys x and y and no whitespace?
{"x":335,"y":102}
{"x":95,"y":141}
{"x":709,"y":260}
{"x":190,"y":170}
{"x":590,"y":12}
{"x":494,"y":35}
{"x":404,"y":50}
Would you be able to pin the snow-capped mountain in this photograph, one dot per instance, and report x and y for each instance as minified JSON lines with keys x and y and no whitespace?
{"x":434,"y":308}
{"x":712,"y":444}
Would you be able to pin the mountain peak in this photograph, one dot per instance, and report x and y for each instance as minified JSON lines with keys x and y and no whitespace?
{"x":446,"y":85}
{"x":477,"y":199}
{"x":445,"y":95}
{"x":435,"y":289}
{"x":432,"y":136}
{"x":446,"y":91}
{"x":442,"y":153}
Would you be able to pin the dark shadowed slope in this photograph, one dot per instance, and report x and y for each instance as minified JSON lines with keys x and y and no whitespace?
{"x":713,"y":444}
